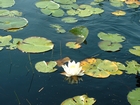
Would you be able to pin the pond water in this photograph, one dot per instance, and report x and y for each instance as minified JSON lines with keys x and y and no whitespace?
{"x":18,"y":84}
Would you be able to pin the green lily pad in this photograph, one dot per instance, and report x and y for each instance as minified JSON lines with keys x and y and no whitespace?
{"x":73,"y":45}
{"x":116,"y":3}
{"x":65,"y":1}
{"x":97,"y":10}
{"x":132,"y":67}
{"x":4,"y":12}
{"x":58,"y":28}
{"x":111,"y":37}
{"x":15,"y":43}
{"x":72,"y":12}
{"x":6,"y":3}
{"x":135,"y":50}
{"x":44,"y":67}
{"x":79,"y":100}
{"x":70,"y":6}
{"x":133,"y":97}
{"x":53,"y":12}
{"x":81,"y":32}
{"x":47,"y":4}
{"x":5,"y":40}
{"x":109,"y":46}
{"x":12,"y":22}
{"x":133,"y":5}
{"x":35,"y":45}
{"x":69,"y":20}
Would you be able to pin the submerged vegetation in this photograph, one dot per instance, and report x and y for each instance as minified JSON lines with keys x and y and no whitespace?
{"x":70,"y":12}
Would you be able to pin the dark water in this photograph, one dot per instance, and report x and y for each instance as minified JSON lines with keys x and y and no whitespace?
{"x":16,"y":73}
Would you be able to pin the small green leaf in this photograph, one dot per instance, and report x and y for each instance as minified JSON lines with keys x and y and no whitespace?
{"x":135,"y":50}
{"x":133,"y":97}
{"x":79,"y":100}
{"x":73,"y":45}
{"x":6,"y":3}
{"x":69,"y":20}
{"x":44,"y":67}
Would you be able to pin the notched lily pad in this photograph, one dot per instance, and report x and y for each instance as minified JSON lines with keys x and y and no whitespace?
{"x":109,"y":46}
{"x":133,"y":97}
{"x":119,"y":13}
{"x":5,"y":40}
{"x":79,"y":100}
{"x":7,"y":23}
{"x":73,"y":45}
{"x":135,"y":50}
{"x":133,"y":67}
{"x":35,"y":45}
{"x":69,"y":20}
{"x":44,"y":67}
{"x":6,"y":3}
{"x":81,"y":32}
{"x":111,"y":37}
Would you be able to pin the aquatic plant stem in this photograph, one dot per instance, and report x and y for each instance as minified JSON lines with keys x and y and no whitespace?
{"x":60,"y":50}
{"x":10,"y":63}
{"x":30,"y":62}
{"x":28,"y":101}
{"x":17,"y":98}
{"x":31,"y":82}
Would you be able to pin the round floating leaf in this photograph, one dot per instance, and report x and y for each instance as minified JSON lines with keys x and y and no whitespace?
{"x":69,"y":20}
{"x":81,"y":32}
{"x":135,"y":50}
{"x":4,"y":12}
{"x":46,"y":11}
{"x":41,"y":4}
{"x":58,"y":28}
{"x":111,"y":37}
{"x":44,"y":67}
{"x":79,"y":100}
{"x":133,"y":97}
{"x":85,"y":12}
{"x":109,"y":46}
{"x":132,"y":67}
{"x":15,"y":43}
{"x":12,"y":22}
{"x":71,"y":12}
{"x":70,"y":6}
{"x":116,"y":3}
{"x":107,"y":66}
{"x":73,"y":45}
{"x":133,"y":5}
{"x":58,"y":13}
{"x":97,"y":10}
{"x":35,"y":45}
{"x":65,"y":1}
{"x":5,"y":40}
{"x":6,"y":3}
{"x":119,"y":13}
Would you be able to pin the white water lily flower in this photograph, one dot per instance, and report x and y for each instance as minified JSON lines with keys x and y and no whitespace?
{"x":73,"y":69}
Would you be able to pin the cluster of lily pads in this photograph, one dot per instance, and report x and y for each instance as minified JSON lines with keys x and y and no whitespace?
{"x":10,"y":20}
{"x":111,"y":42}
{"x":28,"y":45}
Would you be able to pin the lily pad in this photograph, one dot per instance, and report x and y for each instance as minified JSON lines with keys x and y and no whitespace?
{"x":132,"y":67}
{"x":58,"y":28}
{"x":133,"y":97}
{"x":4,"y":12}
{"x":73,"y":45}
{"x":97,"y":10}
{"x":5,"y":40}
{"x":109,"y":46}
{"x":119,"y":13}
{"x":6,"y":3}
{"x":111,"y":37}
{"x":35,"y":45}
{"x":81,"y":32}
{"x":72,"y":12}
{"x":44,"y":67}
{"x":12,"y":22}
{"x":53,"y":12}
{"x":116,"y":3}
{"x":133,"y":5}
{"x":47,"y":4}
{"x":69,"y":20}
{"x":70,"y":6}
{"x":79,"y":100}
{"x":135,"y":50}
{"x":65,"y":1}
